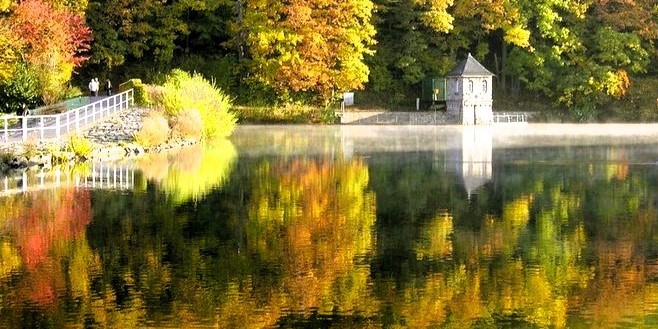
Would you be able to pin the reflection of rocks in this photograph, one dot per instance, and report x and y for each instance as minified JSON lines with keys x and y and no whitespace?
{"x":36,"y":161}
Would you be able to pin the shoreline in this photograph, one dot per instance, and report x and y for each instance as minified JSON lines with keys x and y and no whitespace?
{"x":112,"y":139}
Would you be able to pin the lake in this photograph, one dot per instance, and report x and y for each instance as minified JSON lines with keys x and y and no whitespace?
{"x":517,"y":226}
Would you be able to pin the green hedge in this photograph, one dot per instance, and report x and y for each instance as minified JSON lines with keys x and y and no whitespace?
{"x":139,"y":88}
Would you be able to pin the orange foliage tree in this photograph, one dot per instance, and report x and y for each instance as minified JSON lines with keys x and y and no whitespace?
{"x":54,"y":42}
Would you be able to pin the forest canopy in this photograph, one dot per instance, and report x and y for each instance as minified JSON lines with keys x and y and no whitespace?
{"x":580,"y":54}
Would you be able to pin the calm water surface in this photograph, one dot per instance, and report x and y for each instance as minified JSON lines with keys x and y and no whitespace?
{"x":344,"y":227}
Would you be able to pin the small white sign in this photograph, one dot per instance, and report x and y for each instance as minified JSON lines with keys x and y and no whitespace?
{"x":348,"y":99}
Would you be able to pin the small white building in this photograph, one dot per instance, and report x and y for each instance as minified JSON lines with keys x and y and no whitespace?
{"x":469,"y":93}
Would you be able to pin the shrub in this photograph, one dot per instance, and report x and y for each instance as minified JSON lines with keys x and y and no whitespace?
{"x":183,"y":91}
{"x":155,"y":130}
{"x":79,"y":145}
{"x":22,"y":88}
{"x":31,"y":146}
{"x":155,"y":95}
{"x":6,"y":157}
{"x":290,"y":113}
{"x":186,"y":124}
{"x":141,"y":95}
{"x":72,"y":92}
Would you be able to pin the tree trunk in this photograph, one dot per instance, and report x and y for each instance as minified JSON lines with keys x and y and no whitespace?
{"x":502,"y":67}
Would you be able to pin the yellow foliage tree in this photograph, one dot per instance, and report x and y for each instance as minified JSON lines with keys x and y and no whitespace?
{"x":309,"y":46}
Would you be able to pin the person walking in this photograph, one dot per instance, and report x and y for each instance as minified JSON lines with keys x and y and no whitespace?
{"x":108,"y":87}
{"x":95,"y":85}
{"x":91,"y":87}
{"x":21,"y":112}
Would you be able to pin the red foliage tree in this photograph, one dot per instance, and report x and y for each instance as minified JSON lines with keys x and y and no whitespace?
{"x":44,"y":29}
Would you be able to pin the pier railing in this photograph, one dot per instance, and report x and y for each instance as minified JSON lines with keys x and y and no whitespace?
{"x":41,"y":127}
{"x":102,"y":175}
{"x":510,"y":118}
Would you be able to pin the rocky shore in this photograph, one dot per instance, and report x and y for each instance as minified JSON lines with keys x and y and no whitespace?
{"x":112,"y":137}
{"x":117,"y":128}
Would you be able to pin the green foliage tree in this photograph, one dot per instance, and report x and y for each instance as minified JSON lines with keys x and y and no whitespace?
{"x":575,"y":59}
{"x":578,"y":54}
{"x":22,"y":88}
{"x":142,"y":30}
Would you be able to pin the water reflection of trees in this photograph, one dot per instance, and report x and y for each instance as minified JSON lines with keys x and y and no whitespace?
{"x":542,"y":246}
{"x":296,"y":241}
{"x":191,"y":172}
{"x":44,"y":253}
{"x":288,"y":245}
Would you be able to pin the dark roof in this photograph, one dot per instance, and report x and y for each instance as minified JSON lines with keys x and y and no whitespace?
{"x":468,"y":68}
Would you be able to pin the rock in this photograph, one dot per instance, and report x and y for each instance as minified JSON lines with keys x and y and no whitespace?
{"x":40,"y":160}
{"x":108,"y":153}
{"x":118,"y":128}
{"x":18,"y":161}
{"x":133,"y":150}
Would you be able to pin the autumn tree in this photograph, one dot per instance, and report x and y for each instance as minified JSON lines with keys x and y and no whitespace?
{"x":418,"y":38}
{"x":574,"y":59}
{"x":54,"y":41}
{"x":314,"y":47}
{"x":8,"y":45}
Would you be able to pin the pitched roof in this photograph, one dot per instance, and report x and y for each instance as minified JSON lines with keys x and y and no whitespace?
{"x":469,"y":67}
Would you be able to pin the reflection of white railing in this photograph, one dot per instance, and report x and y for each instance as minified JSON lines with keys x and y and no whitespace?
{"x":510,"y":118}
{"x":55,"y":125}
{"x":102,"y":176}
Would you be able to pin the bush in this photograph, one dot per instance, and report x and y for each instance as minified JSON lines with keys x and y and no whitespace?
{"x":31,"y":146}
{"x":186,"y":124}
{"x":183,"y":91}
{"x":79,"y":145}
{"x":291,"y":113}
{"x":155,"y":131}
{"x":141,"y":95}
{"x":6,"y":157}
{"x":21,"y":88}
{"x":72,"y":92}
{"x":155,"y":95}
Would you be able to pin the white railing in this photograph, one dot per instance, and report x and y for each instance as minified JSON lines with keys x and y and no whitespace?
{"x":41,"y":127}
{"x":510,"y":118}
{"x":103,"y":175}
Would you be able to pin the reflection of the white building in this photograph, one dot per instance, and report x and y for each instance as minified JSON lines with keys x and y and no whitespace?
{"x":473,"y":160}
{"x":468,"y":149}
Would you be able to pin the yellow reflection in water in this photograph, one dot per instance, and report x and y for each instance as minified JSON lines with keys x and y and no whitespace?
{"x":314,"y":217}
{"x":191,"y":172}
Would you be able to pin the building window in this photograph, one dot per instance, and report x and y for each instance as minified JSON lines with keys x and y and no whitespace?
{"x":470,"y":85}
{"x":484,"y":86}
